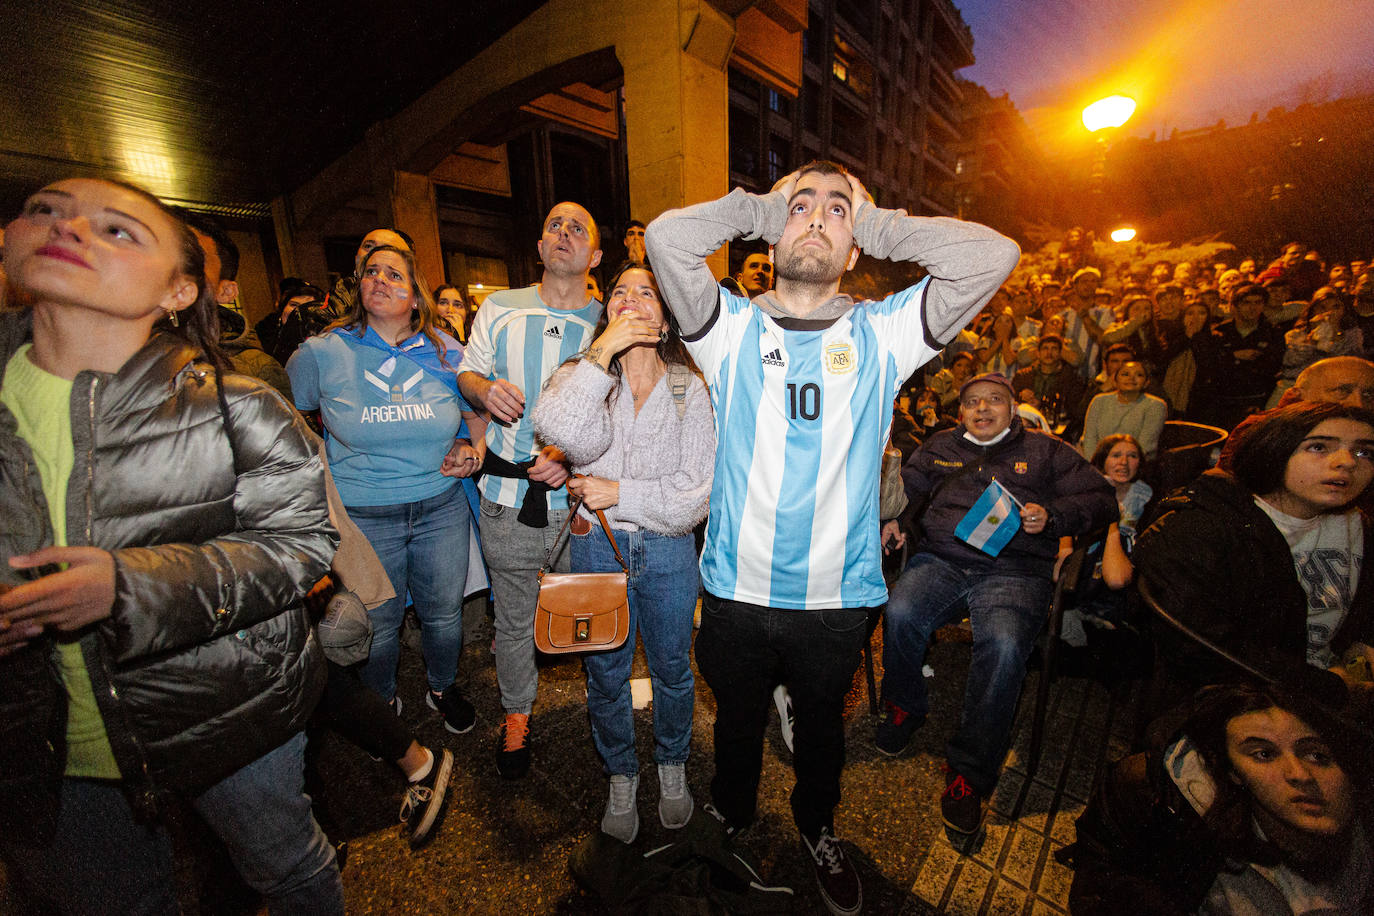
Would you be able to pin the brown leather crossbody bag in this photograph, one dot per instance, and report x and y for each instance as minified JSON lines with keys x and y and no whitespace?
{"x":581,"y":612}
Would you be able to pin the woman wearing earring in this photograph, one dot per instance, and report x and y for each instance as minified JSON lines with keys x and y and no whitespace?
{"x":163,"y":520}
{"x":388,"y":399}
{"x":636,"y":423}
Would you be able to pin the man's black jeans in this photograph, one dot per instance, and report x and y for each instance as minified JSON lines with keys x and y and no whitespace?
{"x":743,"y":651}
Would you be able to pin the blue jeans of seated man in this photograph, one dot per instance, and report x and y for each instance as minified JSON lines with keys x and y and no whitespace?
{"x":104,"y":861}
{"x":663,"y":584}
{"x":744,"y":651}
{"x":1006,"y":613}
{"x":424,"y":547}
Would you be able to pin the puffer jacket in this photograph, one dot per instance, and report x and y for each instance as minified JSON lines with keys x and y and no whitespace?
{"x":207,"y":660}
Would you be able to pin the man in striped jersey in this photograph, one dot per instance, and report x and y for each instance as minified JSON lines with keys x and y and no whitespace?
{"x":803,"y":379}
{"x":518,"y":338}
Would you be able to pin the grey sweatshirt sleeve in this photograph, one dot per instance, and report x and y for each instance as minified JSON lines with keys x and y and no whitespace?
{"x":678,"y":242}
{"x":571,"y":412}
{"x":966,"y":261}
{"x":674,"y":503}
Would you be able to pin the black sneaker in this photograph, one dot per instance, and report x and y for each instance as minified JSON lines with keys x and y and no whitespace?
{"x":896,"y":730}
{"x":459,"y":716}
{"x":425,"y":799}
{"x":839,"y":884}
{"x":730,"y":831}
{"x":960,"y":806}
{"x":513,"y":746}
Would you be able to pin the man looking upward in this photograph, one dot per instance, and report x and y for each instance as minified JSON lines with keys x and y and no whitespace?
{"x":518,"y":338}
{"x":803,"y":379}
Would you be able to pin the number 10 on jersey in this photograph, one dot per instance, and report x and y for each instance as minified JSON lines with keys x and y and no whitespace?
{"x":803,"y":401}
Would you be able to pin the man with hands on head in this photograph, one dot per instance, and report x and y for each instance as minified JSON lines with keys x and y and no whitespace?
{"x":803,"y":379}
{"x":518,"y":339}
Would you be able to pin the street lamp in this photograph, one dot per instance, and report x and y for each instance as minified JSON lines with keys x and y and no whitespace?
{"x":1113,"y":111}
{"x":1124,"y":234}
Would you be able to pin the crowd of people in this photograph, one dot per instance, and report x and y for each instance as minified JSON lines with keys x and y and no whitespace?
{"x":214,"y":531}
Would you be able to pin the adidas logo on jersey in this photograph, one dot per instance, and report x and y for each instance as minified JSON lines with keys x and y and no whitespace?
{"x":773,"y":358}
{"x":554,"y":332}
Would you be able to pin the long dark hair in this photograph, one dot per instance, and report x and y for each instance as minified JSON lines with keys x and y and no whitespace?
{"x":1260,"y":459}
{"x":670,"y":347}
{"x":1213,"y":707}
{"x":422,"y":318}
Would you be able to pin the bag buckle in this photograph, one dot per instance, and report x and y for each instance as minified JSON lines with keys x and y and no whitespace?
{"x":583,"y":631}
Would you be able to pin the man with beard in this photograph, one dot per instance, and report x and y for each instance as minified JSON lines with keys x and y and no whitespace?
{"x":802,"y":379}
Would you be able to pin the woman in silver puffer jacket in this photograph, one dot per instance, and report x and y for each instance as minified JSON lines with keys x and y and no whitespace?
{"x":162,"y":524}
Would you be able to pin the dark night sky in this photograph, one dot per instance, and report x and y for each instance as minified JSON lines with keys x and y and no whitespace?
{"x":1188,"y":63}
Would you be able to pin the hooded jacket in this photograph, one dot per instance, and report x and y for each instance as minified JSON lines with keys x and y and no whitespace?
{"x":218,"y":526}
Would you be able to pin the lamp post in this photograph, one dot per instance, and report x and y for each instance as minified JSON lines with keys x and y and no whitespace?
{"x":1100,"y":118}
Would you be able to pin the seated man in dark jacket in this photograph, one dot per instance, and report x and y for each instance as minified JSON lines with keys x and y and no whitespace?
{"x":1004,"y":585}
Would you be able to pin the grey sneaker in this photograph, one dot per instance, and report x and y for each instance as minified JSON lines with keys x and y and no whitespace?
{"x":674,"y":799}
{"x":621,"y":819}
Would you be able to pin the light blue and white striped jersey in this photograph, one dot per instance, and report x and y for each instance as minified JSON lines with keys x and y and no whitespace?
{"x":802,"y":415}
{"x":515,"y":336}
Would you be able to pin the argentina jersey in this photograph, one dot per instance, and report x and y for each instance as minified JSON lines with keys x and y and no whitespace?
{"x":515,"y":336}
{"x":802,"y":414}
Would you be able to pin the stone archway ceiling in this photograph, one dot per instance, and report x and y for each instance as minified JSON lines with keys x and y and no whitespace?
{"x":225,"y":104}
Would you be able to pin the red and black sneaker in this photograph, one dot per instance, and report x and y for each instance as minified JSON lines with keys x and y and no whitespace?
{"x":961,"y":806}
{"x":895,"y":732}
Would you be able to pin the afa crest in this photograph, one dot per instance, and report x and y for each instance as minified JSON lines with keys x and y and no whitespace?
{"x":1021,"y":467}
{"x":839,"y":358}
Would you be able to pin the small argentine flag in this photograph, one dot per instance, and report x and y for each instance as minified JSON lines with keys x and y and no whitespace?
{"x":992,"y":522}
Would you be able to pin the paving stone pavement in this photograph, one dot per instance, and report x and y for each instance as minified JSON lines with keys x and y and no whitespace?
{"x":503,"y":847}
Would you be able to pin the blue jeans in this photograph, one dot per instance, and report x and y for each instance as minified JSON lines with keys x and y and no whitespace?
{"x":743,"y":652}
{"x":1006,"y":612}
{"x":663,"y":585}
{"x":104,"y":861}
{"x":424,"y":547}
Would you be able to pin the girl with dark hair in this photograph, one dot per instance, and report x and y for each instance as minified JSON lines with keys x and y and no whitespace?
{"x":455,"y":318}
{"x":382,"y":378}
{"x":1259,"y":804}
{"x":163,"y":521}
{"x":1265,"y":561}
{"x":635,"y":421}
{"x":1126,"y":409}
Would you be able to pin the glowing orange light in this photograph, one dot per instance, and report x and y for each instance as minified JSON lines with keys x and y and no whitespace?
{"x":1124,"y":234}
{"x":1113,"y":111}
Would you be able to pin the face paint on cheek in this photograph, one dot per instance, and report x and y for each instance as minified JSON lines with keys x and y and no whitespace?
{"x":403,"y":293}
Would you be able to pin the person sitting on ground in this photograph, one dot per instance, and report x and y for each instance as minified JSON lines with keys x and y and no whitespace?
{"x":1258,"y":804}
{"x":1264,"y":560}
{"x":636,"y":423}
{"x":958,"y":569}
{"x":1126,"y":409}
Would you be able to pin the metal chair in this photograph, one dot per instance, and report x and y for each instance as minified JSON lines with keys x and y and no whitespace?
{"x":1185,"y":451}
{"x":1070,"y":571}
